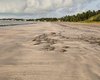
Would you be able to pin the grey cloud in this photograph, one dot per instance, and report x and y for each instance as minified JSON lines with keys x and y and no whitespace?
{"x":42,"y":7}
{"x":31,"y":6}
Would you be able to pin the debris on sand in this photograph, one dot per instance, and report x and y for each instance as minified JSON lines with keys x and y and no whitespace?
{"x":44,"y":38}
{"x":48,"y":47}
{"x":66,"y":47}
{"x":93,"y":40}
{"x":40,"y":37}
{"x":47,"y":42}
{"x":62,"y":50}
{"x":51,"y":41}
{"x":53,"y":34}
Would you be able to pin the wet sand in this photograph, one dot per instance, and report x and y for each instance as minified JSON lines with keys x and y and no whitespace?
{"x":50,"y":51}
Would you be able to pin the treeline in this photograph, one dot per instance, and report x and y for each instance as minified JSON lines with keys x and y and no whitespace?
{"x":44,"y":19}
{"x":80,"y":17}
{"x":73,"y":18}
{"x":13,"y":19}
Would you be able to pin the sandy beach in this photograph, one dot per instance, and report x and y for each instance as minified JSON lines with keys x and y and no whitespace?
{"x":50,"y":51}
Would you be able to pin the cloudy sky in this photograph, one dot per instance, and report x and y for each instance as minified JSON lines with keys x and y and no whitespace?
{"x":45,"y":8}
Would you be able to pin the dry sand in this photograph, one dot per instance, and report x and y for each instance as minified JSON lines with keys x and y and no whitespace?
{"x":50,"y":51}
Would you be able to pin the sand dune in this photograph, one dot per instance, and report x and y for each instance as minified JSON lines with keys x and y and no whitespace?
{"x":50,"y":51}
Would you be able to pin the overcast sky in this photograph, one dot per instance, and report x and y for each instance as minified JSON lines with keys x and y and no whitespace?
{"x":45,"y":8}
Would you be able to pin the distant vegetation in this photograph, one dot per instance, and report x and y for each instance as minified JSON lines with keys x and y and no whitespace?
{"x":84,"y":16}
{"x":13,"y":19}
{"x":94,"y":18}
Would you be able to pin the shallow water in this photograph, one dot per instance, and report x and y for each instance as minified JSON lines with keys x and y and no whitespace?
{"x":4,"y":23}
